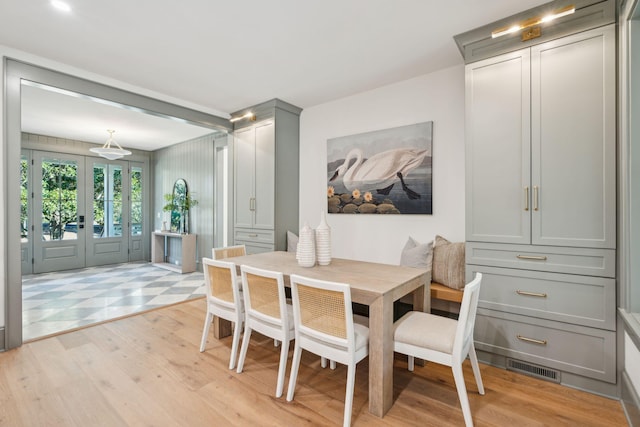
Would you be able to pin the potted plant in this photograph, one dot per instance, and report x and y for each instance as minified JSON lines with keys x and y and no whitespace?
{"x":178,"y":205}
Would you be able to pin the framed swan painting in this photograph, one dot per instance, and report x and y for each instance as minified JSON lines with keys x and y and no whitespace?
{"x":381,"y":172}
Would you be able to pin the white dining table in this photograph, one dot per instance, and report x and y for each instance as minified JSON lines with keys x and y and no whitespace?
{"x":372,"y":284}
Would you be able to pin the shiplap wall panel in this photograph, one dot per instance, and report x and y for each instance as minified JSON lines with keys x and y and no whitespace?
{"x":192,"y":161}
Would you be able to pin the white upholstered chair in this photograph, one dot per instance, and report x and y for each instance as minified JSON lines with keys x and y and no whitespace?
{"x":324,"y":326}
{"x":267,"y":312}
{"x":224,"y":300}
{"x":443,"y":340}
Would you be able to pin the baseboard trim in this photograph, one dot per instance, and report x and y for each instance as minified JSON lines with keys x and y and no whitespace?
{"x":630,"y":401}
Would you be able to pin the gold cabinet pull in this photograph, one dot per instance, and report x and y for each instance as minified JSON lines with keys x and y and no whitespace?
{"x":531,"y":294}
{"x":526,"y":198}
{"x":253,"y":235}
{"x":532,"y":257}
{"x":531,"y":340}
{"x":535,"y":197}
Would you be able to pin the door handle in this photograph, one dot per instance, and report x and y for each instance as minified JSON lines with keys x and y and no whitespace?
{"x":526,"y":198}
{"x":535,"y":197}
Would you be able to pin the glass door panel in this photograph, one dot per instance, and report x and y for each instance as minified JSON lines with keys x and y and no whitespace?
{"x":136,"y":201}
{"x":107,"y":200}
{"x":25,"y":210}
{"x":136,"y":206}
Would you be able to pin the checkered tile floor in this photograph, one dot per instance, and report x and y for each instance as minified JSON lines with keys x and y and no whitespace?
{"x":60,"y":301}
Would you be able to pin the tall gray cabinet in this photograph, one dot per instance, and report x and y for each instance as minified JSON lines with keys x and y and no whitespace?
{"x":541,"y":207}
{"x":266,"y":176}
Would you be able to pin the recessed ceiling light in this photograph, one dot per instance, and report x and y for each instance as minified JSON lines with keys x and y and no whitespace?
{"x":60,"y":5}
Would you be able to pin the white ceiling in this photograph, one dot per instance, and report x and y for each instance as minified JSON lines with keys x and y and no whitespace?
{"x":228,"y":55}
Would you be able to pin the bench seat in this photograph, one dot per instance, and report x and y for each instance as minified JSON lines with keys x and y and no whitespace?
{"x":442,"y":292}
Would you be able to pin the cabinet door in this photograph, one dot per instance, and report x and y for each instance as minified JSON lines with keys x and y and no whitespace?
{"x":573,"y":140}
{"x":265,"y":176}
{"x":498,"y":149}
{"x":244,"y":169}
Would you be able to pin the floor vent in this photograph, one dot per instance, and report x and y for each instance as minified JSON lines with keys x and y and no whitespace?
{"x":533,"y":370}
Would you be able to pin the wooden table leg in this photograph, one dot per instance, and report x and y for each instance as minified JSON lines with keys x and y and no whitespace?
{"x":422,"y":298}
{"x":381,"y":355}
{"x":221,"y":327}
{"x":422,"y":302}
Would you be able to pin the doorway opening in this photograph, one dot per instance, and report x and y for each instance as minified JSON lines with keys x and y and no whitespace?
{"x":87,"y":202}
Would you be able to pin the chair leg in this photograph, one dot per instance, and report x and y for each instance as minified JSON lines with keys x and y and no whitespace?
{"x":243,"y":349}
{"x":462,"y":393}
{"x":323,"y":362}
{"x":205,"y":331}
{"x":237,"y":328}
{"x":332,"y":364}
{"x":348,"y":398}
{"x":284,"y":355}
{"x":411,"y":361}
{"x":476,"y":368}
{"x":293,"y":377}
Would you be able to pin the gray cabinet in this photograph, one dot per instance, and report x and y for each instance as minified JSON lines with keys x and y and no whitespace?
{"x":254,"y":152}
{"x":540,"y":149}
{"x":266,"y":177}
{"x":541,"y":204}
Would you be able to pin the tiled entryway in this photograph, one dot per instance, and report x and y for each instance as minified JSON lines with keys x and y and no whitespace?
{"x":60,"y":301}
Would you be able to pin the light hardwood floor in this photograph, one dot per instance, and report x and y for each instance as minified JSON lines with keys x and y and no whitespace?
{"x":146,"y":370}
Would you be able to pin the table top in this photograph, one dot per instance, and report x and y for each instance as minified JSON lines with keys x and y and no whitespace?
{"x":368,"y":280}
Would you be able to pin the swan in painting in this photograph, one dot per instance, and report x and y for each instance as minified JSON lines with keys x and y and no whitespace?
{"x":381,"y":171}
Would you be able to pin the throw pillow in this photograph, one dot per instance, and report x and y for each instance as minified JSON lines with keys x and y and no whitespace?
{"x":292,"y":242}
{"x":448,"y":263}
{"x":416,"y":254}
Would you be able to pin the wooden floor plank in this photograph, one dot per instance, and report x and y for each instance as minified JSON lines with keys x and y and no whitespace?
{"x":147,"y":370}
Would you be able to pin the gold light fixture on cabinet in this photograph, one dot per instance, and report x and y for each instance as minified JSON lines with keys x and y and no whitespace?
{"x":532,"y":22}
{"x":249,"y":116}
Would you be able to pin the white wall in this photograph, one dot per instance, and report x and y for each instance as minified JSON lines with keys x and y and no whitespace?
{"x":437,"y":97}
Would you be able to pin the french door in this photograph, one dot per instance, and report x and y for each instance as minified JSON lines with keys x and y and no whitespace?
{"x":83,"y":211}
{"x":108,"y":216}
{"x":58,"y":191}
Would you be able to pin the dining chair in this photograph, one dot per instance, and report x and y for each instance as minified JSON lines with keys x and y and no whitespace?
{"x":443,"y":340}
{"x":228,"y":251}
{"x":224,"y":300}
{"x":324,"y":325}
{"x":266,"y":312}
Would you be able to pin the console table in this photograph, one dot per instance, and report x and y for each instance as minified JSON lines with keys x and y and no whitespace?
{"x":159,"y":251}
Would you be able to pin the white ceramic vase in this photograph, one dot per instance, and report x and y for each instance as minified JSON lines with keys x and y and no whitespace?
{"x":323,"y":241}
{"x":306,"y":252}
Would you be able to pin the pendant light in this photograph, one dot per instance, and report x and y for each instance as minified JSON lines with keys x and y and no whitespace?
{"x":109,"y":152}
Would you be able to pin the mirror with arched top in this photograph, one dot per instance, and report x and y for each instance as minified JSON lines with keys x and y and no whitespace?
{"x":179,"y":208}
